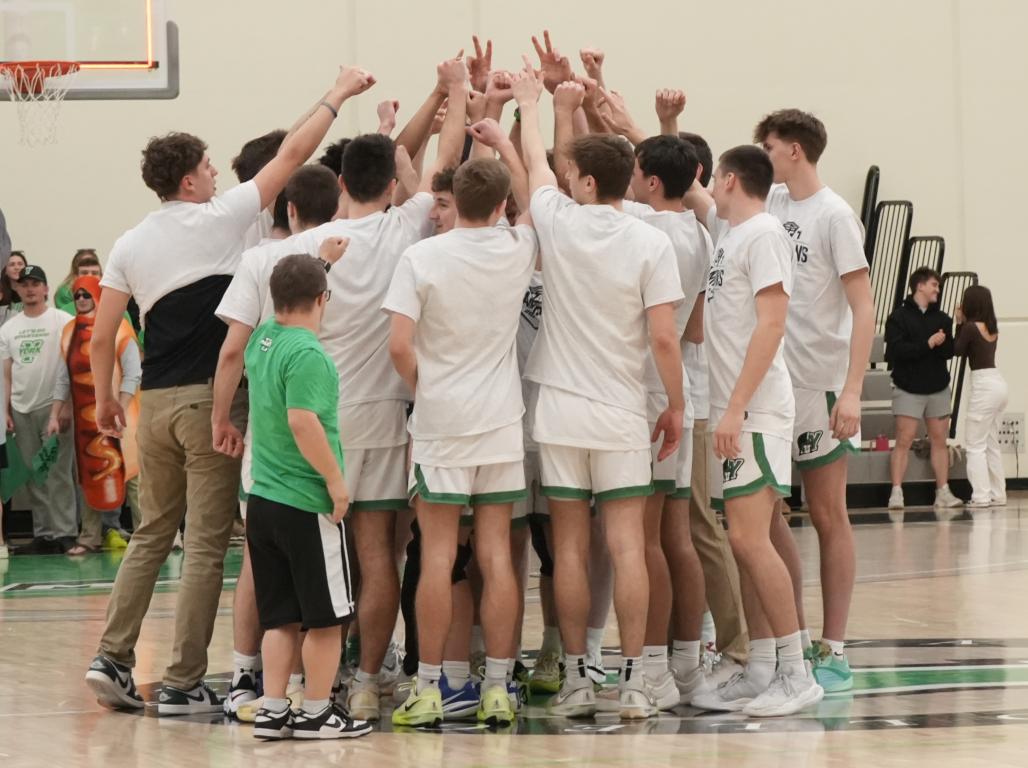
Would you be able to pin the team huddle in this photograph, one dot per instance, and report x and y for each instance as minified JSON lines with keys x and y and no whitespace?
{"x":591,"y":350}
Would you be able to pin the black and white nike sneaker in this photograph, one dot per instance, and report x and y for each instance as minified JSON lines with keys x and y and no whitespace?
{"x":242,"y":691}
{"x":330,"y":723}
{"x":201,"y":700}
{"x":113,"y":685}
{"x":272,"y":726}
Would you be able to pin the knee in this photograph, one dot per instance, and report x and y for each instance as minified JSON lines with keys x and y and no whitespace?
{"x":904,"y":441}
{"x":744,"y":544}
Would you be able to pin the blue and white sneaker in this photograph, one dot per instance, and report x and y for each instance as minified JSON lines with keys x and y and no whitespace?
{"x":459,"y":703}
{"x":517,"y":692}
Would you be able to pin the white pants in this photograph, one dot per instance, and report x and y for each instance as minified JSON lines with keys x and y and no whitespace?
{"x":984,"y":412}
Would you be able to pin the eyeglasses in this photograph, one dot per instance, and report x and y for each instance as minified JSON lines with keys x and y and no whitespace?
{"x":82,"y":295}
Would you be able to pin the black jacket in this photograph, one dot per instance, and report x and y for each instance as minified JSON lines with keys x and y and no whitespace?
{"x":916,"y":368}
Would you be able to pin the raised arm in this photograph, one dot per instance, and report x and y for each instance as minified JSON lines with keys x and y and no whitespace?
{"x":619,"y":120}
{"x":454,"y":75}
{"x":415,"y":134}
{"x":300,"y":144}
{"x":489,"y":133}
{"x":566,"y":100}
{"x":669,"y":105}
{"x":698,"y":200}
{"x":592,"y":60}
{"x":387,"y":116}
{"x":555,"y":68}
{"x":527,"y":89}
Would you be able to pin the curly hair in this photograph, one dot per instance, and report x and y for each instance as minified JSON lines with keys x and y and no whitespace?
{"x":795,"y":125}
{"x":168,"y":159}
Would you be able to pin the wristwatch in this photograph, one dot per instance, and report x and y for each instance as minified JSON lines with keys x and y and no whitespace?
{"x":326,"y":264}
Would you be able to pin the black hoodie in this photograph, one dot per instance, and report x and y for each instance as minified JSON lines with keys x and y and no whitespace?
{"x":917,"y":368}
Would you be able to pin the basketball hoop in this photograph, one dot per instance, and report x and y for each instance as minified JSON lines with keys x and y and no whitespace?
{"x":38,"y":88}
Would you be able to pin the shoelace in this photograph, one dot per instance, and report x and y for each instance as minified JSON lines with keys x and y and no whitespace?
{"x":783,"y":683}
{"x":733,"y":680}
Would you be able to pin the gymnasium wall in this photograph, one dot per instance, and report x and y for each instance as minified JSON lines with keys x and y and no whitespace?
{"x":930,"y":90}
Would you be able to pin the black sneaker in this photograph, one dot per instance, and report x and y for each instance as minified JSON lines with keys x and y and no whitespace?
{"x":201,"y":700}
{"x":272,"y":725}
{"x":113,"y":685}
{"x":330,"y":723}
{"x":241,"y":692}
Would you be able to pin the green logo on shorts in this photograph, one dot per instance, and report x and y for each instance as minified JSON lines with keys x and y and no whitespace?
{"x":731,"y":469}
{"x":809,"y":441}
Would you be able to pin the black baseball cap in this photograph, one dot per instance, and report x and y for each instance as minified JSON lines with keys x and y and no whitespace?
{"x":32,"y":272}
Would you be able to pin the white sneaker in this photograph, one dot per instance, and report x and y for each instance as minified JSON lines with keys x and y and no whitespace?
{"x":998,"y":502}
{"x":723,"y":670}
{"x":787,"y":695}
{"x":972,"y":504}
{"x":944,"y":499}
{"x":636,"y":699}
{"x":595,"y":670}
{"x":664,"y":690}
{"x":391,"y":671}
{"x":363,"y":702}
{"x":690,"y":684}
{"x":731,"y":696}
{"x":896,"y":498}
{"x":402,"y":689}
{"x":573,"y":702}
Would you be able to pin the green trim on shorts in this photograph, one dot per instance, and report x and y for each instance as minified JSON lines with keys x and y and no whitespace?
{"x":421,"y":489}
{"x":379,"y":505}
{"x":838,"y":452}
{"x":830,"y":398}
{"x":667,"y":487}
{"x":564,"y":492}
{"x":499,"y":497}
{"x":628,"y":492}
{"x":718,"y":505}
{"x":767,"y":476}
{"x":682,"y":493}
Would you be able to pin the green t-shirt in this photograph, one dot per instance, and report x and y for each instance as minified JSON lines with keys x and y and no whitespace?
{"x":287,"y":368}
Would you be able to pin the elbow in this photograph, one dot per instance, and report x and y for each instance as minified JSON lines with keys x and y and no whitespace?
{"x":664,"y":344}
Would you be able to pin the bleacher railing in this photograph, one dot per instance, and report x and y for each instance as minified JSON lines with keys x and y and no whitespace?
{"x":891,"y":232}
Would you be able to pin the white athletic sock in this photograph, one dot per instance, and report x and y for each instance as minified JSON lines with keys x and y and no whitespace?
{"x":366,"y":678}
{"x":838,"y":646}
{"x":510,"y":668}
{"x":655,"y":660}
{"x":243,"y":665}
{"x":314,"y":706}
{"x":630,"y":667}
{"x":709,"y":633}
{"x":790,"y":655}
{"x":762,"y":661}
{"x":685,"y":656}
{"x":495,"y":673}
{"x":594,"y":642}
{"x":458,"y":673}
{"x":275,"y":705}
{"x":428,"y":675}
{"x":551,"y":641}
{"x":295,"y":681}
{"x":477,"y":641}
{"x":805,"y":638}
{"x":576,"y":676}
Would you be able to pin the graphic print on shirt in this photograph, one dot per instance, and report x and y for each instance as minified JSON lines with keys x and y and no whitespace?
{"x":30,"y":344}
{"x":792,"y":229}
{"x":532,"y":306}
{"x":716,"y":277}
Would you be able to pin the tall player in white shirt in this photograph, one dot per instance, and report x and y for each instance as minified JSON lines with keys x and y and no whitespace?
{"x":828,"y":337}
{"x":611,"y":285}
{"x":373,"y":398}
{"x":665,"y":166}
{"x":751,"y":412}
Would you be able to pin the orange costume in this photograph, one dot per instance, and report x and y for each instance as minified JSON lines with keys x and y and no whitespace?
{"x":105,"y":463}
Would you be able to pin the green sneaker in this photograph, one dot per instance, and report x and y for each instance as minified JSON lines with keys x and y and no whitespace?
{"x":494,"y":708}
{"x":422,"y":709}
{"x":831,"y":672}
{"x":548,"y":674}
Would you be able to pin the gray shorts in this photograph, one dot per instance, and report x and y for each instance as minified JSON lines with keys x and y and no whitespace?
{"x":933,"y":406}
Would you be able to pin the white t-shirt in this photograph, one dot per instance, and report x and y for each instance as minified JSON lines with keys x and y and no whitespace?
{"x":354,"y":330}
{"x":747,"y":259}
{"x":464,"y":289}
{"x":259,"y":230}
{"x":181,"y":243}
{"x":827,"y":242}
{"x":602,"y":270}
{"x":247,"y":299}
{"x":528,"y":329}
{"x":34,"y":346}
{"x":692,"y":248}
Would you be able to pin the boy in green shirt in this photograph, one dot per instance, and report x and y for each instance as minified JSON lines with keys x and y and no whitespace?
{"x":299,"y":498}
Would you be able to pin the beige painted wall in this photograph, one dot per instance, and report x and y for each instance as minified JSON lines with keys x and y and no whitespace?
{"x":932,"y":91}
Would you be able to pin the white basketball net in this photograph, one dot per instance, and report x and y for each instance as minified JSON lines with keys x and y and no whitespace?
{"x":38,"y":91}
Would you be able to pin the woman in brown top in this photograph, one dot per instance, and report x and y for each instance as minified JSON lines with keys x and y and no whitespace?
{"x":975,"y":337}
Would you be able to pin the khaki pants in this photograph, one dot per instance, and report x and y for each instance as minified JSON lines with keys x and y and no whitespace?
{"x":54,"y":515}
{"x":719,"y":570}
{"x":94,"y":521}
{"x":181,"y":476}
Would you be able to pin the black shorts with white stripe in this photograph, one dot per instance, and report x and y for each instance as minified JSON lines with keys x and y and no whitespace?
{"x":301,"y":571}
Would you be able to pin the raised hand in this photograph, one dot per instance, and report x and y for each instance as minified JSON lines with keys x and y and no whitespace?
{"x":480,"y":64}
{"x":387,"y":116}
{"x":592,"y":60}
{"x":669,"y":104}
{"x":451,"y":73}
{"x":568,"y":96}
{"x":556,"y":69}
{"x":526,"y":86}
{"x":437,"y":121}
{"x":488,"y":132}
{"x":354,"y":80}
{"x":333,"y":248}
{"x":499,"y":89}
{"x":615,"y":112}
{"x":476,"y":106}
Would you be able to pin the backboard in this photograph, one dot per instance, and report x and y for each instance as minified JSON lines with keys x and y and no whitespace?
{"x":127,"y":49}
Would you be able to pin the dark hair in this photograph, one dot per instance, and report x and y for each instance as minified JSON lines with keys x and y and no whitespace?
{"x":257,"y":153}
{"x":479,"y":186}
{"x":333,"y":157}
{"x":608,"y":159}
{"x":369,"y":165}
{"x":443,"y":180}
{"x":280,"y":212}
{"x":751,"y":166}
{"x":922,"y":275}
{"x":703,"y":154}
{"x":795,"y":125}
{"x":168,"y":159}
{"x":83,"y":257}
{"x":296,"y":282}
{"x":669,"y":159}
{"x":315,"y":193}
{"x":977,"y":307}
